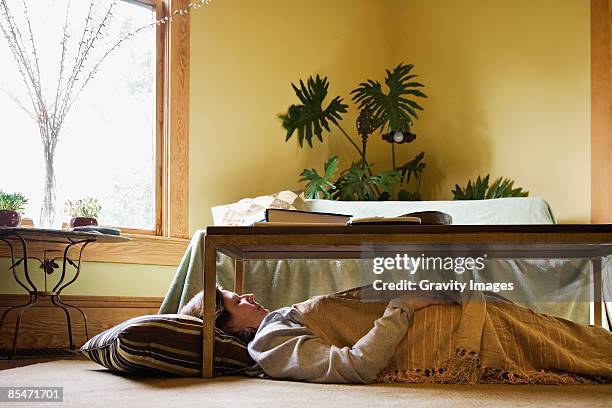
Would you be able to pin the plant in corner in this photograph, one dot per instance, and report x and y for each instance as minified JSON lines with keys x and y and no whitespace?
{"x":389,"y":111}
{"x":83,"y":212}
{"x":480,"y":190}
{"x":11,"y":207}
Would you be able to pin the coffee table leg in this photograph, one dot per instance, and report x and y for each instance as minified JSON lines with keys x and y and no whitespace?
{"x":597,"y":287}
{"x":238,"y":276}
{"x":210,"y":280}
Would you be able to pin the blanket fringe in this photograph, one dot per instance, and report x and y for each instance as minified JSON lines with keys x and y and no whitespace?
{"x":464,"y":368}
{"x":497,"y":376}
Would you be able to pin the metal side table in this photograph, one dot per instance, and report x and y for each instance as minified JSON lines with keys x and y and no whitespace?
{"x":70,"y":244}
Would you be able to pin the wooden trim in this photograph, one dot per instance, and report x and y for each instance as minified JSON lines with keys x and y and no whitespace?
{"x":136,"y":231}
{"x":176,"y":168}
{"x":160,"y":152}
{"x":44,"y":326}
{"x":172,"y":126}
{"x":148,"y":2}
{"x":143,"y":250}
{"x":601,"y":111}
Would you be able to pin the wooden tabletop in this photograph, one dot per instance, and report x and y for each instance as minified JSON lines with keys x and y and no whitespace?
{"x":409,"y":229}
{"x":330,"y":242}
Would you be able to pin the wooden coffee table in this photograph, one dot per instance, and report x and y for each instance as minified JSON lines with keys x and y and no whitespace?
{"x":348,"y":242}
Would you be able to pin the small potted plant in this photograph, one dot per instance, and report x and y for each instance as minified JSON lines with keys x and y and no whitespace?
{"x":83,"y":212}
{"x":11,"y":207}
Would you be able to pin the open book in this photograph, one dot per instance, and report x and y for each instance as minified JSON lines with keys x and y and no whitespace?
{"x":401,"y":220}
{"x":280,"y":217}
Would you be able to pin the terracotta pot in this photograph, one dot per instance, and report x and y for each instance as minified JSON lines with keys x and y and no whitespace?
{"x":82,"y":222}
{"x":10,"y":218}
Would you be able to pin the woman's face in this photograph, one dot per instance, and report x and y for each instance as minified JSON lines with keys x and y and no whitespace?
{"x":244,"y":311}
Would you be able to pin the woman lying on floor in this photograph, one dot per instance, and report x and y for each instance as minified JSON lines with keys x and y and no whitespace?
{"x":343,"y":339}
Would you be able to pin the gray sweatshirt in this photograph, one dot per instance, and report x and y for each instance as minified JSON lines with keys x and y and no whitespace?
{"x":285,"y":349}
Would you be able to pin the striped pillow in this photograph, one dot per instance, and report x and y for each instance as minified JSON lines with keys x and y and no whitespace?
{"x":168,"y":343}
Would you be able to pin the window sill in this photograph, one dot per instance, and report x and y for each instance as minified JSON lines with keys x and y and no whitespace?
{"x":142,"y":249}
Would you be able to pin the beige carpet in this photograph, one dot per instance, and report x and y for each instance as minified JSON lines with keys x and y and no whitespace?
{"x":87,"y":384}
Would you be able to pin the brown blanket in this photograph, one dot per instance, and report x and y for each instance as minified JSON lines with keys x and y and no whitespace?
{"x":473,"y":341}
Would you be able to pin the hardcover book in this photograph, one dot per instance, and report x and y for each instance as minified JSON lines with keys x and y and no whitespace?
{"x":275,"y":215}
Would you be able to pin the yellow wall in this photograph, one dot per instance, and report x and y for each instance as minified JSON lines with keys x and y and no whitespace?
{"x":244,"y":55}
{"x":509,"y":94}
{"x":99,"y":279}
{"x":508,"y":86}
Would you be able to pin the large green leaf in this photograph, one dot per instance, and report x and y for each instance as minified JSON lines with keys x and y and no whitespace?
{"x":394,"y":108}
{"x":355,"y":183}
{"x":404,"y":195}
{"x":310,"y":118}
{"x":414,"y":167}
{"x":503,"y":188}
{"x":320,"y":186}
{"x":409,"y":170}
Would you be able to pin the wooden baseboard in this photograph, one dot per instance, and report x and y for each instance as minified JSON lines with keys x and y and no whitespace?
{"x":45,"y":326}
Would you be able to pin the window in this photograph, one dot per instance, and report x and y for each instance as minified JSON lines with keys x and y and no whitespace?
{"x":115,"y":144}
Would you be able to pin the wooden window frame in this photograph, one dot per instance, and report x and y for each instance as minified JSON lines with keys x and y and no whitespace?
{"x":172,"y":124}
{"x":167,"y":243}
{"x":601,"y":111}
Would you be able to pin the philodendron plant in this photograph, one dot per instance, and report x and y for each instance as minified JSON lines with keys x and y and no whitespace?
{"x":390,"y":111}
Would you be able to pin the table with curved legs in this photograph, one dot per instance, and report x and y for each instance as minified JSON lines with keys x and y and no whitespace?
{"x":48,"y":242}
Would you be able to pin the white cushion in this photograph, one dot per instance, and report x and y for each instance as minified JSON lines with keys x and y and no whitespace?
{"x":523,"y":210}
{"x":250,"y":210}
